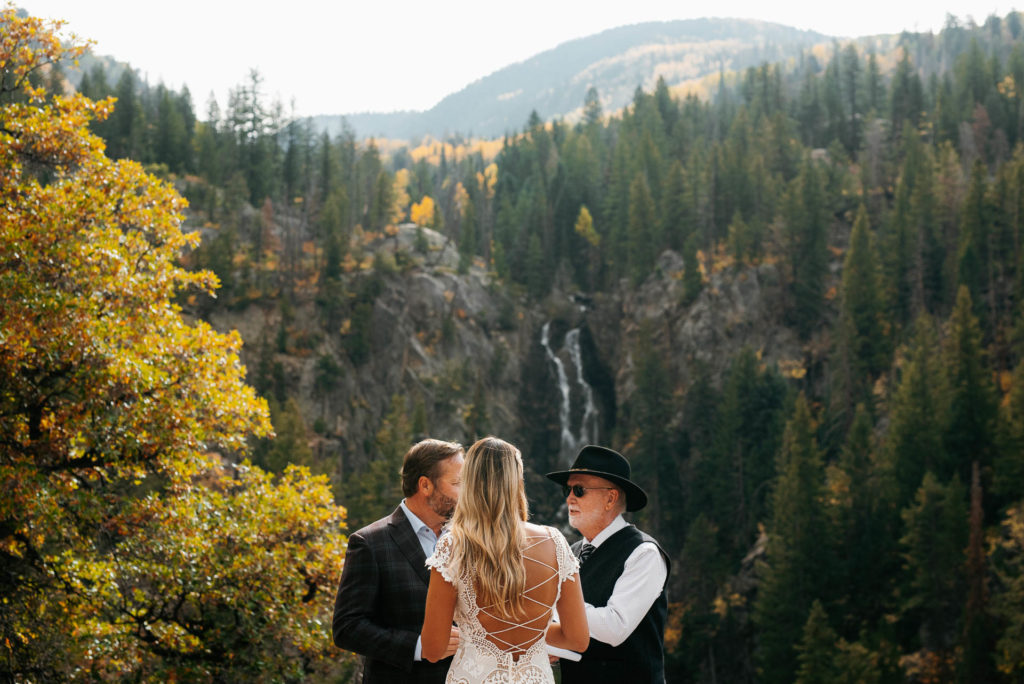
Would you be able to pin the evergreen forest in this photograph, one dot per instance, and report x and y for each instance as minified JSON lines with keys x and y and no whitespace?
{"x":853,"y":515}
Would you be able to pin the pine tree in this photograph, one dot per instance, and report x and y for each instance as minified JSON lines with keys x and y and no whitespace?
{"x":906,"y":101}
{"x":126,"y":122}
{"x":862,"y":335}
{"x":864,"y":510}
{"x":616,"y":211}
{"x":817,"y":649}
{"x":934,"y":540}
{"x":747,"y":433}
{"x":334,"y":232}
{"x":973,"y":259}
{"x":919,"y":414}
{"x":651,"y":413}
{"x":373,"y":493}
{"x":798,"y":568}
{"x":978,"y":642}
{"x":640,"y":241}
{"x":678,"y":210}
{"x":536,"y":272}
{"x":973,"y":403}
{"x":807,"y":247}
{"x":897,"y":248}
{"x":592,"y":113}
{"x":693,"y":281}
{"x":467,"y":236}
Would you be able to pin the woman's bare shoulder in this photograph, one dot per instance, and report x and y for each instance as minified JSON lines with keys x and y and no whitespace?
{"x":533,"y":530}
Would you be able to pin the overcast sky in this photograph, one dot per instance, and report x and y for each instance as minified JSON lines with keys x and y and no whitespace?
{"x":350,"y":56}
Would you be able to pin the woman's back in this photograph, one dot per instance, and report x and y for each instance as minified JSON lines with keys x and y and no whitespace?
{"x":490,"y":645}
{"x":518,"y":632}
{"x":499,"y":578}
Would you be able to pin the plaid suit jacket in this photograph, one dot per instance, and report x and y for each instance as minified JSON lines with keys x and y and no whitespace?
{"x":379,"y":608}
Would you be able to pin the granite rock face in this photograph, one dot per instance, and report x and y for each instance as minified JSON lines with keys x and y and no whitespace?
{"x":463,"y":345}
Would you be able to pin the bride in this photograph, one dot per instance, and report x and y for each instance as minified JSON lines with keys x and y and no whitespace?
{"x":499,"y":577}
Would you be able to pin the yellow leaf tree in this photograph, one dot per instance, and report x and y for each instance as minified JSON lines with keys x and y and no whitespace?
{"x":110,"y":406}
{"x":422,"y":212}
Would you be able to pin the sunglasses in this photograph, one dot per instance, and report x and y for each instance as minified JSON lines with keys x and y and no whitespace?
{"x":579,"y":490}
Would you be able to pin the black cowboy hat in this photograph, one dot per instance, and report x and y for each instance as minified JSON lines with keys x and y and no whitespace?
{"x":607,"y":464}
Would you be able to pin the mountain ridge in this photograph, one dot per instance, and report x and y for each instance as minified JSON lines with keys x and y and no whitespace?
{"x":615,"y":61}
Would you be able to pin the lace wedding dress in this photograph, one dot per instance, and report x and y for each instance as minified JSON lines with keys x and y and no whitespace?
{"x":479,"y":659}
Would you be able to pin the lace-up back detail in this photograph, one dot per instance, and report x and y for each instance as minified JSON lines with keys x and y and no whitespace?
{"x":493,"y":649}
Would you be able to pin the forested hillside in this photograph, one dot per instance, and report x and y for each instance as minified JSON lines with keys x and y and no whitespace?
{"x":686,"y":53}
{"x":797,"y":306}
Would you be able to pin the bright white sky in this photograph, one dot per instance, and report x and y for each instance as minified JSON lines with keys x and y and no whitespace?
{"x":350,"y":56}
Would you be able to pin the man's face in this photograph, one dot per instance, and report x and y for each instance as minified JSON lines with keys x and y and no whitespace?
{"x":446,"y":487}
{"x":588,"y":513}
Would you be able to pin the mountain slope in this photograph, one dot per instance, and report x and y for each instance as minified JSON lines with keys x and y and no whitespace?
{"x":616,"y":62}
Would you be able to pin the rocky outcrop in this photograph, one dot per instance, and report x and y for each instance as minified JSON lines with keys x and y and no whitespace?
{"x":469,"y":351}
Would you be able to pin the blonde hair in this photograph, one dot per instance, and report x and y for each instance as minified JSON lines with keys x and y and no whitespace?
{"x":487,"y":525}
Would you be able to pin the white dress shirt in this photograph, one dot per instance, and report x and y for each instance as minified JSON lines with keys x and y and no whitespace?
{"x":639,"y":585}
{"x":428,"y":540}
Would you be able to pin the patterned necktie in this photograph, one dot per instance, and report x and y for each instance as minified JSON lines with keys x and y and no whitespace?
{"x":585,"y":552}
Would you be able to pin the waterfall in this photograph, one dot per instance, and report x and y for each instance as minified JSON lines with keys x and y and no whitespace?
{"x":588,"y":423}
{"x":586,"y":431}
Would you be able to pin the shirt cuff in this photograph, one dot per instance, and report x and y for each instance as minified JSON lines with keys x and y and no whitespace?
{"x":418,"y":654}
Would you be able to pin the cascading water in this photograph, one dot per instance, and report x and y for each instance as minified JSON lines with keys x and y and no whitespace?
{"x":588,"y":423}
{"x":586,"y":431}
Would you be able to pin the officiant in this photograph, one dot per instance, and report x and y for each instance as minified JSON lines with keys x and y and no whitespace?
{"x":623,"y":573}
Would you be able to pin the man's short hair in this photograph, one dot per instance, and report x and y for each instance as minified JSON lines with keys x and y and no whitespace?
{"x":620,"y":504}
{"x":424,"y":459}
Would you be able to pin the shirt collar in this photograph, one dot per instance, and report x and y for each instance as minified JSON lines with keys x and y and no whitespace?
{"x":414,"y":520}
{"x":613,"y":527}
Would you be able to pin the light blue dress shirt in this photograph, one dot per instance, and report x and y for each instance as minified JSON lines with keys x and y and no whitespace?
{"x":428,"y":540}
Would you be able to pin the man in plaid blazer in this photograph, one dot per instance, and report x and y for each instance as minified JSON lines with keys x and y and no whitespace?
{"x":378,"y":612}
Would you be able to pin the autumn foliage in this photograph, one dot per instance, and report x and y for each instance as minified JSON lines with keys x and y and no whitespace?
{"x":129,"y":550}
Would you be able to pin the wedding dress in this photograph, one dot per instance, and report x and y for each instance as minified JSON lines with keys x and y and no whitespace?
{"x":479,"y":660}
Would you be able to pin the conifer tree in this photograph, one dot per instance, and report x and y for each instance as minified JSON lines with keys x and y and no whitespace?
{"x":334,"y":232}
{"x":126,"y":121}
{"x":693,"y":281}
{"x":536,"y":277}
{"x":651,"y":415}
{"x":467,"y":236}
{"x":864,"y":510}
{"x":973,"y":404}
{"x":592,"y":113}
{"x":807,"y":247}
{"x":678,"y":210}
{"x":798,"y":568}
{"x":817,"y":649}
{"x":616,"y":211}
{"x":862,"y":335}
{"x":897,"y":248}
{"x":977,"y":665}
{"x":919,"y":414}
{"x":934,"y":541}
{"x":640,"y":238}
{"x":373,"y":493}
{"x":747,"y":433}
{"x":973,"y":259}
{"x":906,"y":101}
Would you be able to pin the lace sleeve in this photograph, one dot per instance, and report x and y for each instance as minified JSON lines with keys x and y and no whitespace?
{"x":568,"y":564}
{"x":441,"y":559}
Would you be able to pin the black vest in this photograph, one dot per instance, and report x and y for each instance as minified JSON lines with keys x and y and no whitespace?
{"x":641,"y":657}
